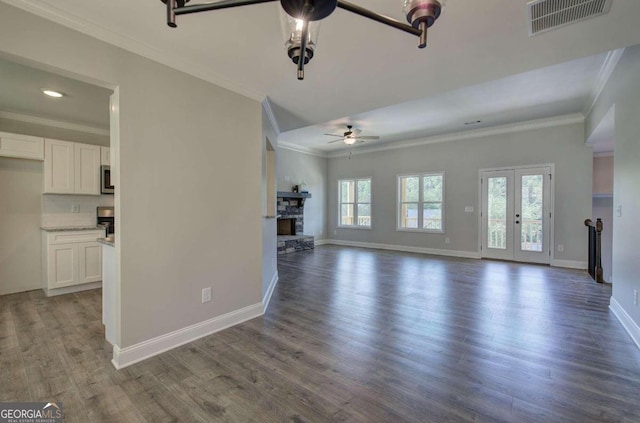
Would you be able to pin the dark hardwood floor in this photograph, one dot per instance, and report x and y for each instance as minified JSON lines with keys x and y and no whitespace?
{"x":350,"y":335}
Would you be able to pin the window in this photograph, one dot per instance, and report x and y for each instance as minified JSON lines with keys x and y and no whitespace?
{"x":355,"y":202}
{"x":420,"y":202}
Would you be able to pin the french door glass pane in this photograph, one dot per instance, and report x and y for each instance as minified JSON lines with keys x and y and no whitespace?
{"x":364,"y":214}
{"x":409,"y":215}
{"x":531,"y":223}
{"x":346,"y":215}
{"x":432,"y":216}
{"x":497,"y":212}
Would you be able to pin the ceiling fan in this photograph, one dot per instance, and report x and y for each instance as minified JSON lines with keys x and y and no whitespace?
{"x":352,"y":136}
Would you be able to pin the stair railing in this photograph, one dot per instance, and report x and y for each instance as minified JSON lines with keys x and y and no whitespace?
{"x":595,"y":249}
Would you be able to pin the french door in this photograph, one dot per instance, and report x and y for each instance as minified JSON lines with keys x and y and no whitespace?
{"x":516,"y":214}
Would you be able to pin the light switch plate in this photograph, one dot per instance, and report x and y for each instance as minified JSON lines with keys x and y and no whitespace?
{"x":468,"y":209}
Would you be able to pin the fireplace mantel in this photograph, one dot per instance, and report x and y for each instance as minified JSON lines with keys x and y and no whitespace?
{"x":284,"y":194}
{"x":297,"y":195}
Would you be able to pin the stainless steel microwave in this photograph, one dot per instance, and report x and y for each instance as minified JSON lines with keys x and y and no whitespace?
{"x":106,"y":186}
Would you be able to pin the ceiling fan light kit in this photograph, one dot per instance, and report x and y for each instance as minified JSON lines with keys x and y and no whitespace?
{"x":301,"y":21}
{"x":352,"y":136}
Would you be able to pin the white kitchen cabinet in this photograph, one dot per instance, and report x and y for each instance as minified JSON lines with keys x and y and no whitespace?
{"x":87,"y":169}
{"x":90,"y":262}
{"x":71,"y":259}
{"x":21,"y":146}
{"x":105,"y":156}
{"x":62,"y":269}
{"x":71,"y":168}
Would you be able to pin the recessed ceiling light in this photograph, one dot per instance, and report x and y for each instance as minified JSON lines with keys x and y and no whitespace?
{"x":52,"y":93}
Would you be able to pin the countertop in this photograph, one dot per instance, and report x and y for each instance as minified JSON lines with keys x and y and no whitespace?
{"x":110,"y":240}
{"x":72,"y":228}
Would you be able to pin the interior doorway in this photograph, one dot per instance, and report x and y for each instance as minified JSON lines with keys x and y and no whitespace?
{"x":517,"y":213}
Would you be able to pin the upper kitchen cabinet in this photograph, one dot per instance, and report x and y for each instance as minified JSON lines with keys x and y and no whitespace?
{"x":21,"y":146}
{"x":105,"y":156}
{"x":71,"y":168}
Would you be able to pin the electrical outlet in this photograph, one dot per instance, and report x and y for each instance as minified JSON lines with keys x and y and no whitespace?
{"x":75,"y":208}
{"x":468,"y":209}
{"x":635,"y":297}
{"x":447,"y":240}
{"x":560,"y":248}
{"x":206,"y":295}
{"x":619,"y":210}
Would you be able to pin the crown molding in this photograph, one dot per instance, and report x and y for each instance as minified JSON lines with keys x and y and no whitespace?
{"x":606,"y":70}
{"x":266,"y":105}
{"x":477,"y":133}
{"x":54,"y":123}
{"x":132,"y":45}
{"x":300,"y":149}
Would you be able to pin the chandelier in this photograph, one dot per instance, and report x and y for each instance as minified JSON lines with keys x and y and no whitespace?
{"x":300,"y":20}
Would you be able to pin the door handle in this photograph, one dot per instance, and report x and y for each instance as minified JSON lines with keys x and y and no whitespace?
{"x":517,"y":215}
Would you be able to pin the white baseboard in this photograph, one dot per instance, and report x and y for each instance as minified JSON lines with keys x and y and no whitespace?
{"x":70,"y":289}
{"x":406,"y":248}
{"x":625,"y":320}
{"x":569,"y":264}
{"x":123,"y":357}
{"x":267,"y":295}
{"x":321,"y":242}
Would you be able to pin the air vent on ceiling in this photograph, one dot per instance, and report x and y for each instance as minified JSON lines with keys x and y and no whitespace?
{"x":545,"y":15}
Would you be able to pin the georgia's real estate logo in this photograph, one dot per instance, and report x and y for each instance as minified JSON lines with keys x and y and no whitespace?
{"x":31,"y":412}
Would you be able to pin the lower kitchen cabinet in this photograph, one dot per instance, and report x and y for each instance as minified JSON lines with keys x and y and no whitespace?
{"x":71,"y":260}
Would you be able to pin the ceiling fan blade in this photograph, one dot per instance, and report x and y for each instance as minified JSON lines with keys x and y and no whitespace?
{"x":369,"y":137}
{"x":331,"y":142}
{"x":355,"y":131}
{"x":335,"y":135}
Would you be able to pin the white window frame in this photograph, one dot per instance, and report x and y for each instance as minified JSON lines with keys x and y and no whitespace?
{"x":355,"y":203}
{"x":421,"y":202}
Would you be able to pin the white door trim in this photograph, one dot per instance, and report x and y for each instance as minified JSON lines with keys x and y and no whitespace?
{"x":552,"y":195}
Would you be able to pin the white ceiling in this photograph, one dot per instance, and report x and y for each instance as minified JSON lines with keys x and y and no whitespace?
{"x":83,"y":104}
{"x":480,"y":62}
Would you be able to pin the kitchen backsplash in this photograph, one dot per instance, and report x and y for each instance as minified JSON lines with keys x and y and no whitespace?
{"x":58,"y":210}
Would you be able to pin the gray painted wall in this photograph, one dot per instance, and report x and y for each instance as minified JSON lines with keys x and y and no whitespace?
{"x":623,"y":91}
{"x":312,"y":170}
{"x":461,"y":161}
{"x":21,"y":184}
{"x":181,"y":139}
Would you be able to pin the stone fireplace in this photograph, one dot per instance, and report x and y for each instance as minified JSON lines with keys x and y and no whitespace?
{"x":291,"y":237}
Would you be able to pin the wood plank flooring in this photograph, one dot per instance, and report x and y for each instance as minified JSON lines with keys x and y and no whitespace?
{"x":350,"y":335}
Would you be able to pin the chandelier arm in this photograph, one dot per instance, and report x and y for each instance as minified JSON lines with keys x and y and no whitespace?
{"x":379,"y":18}
{"x":171,"y":16}
{"x":303,"y":49}
{"x":185,"y":10}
